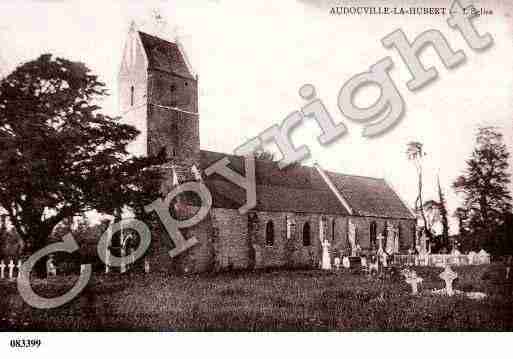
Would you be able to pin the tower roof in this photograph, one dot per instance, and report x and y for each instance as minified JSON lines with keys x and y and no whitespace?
{"x":165,"y":56}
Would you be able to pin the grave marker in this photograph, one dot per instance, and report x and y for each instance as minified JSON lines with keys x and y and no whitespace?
{"x":413,"y":280}
{"x":2,"y":269}
{"x":448,"y":276}
{"x":11,"y":270}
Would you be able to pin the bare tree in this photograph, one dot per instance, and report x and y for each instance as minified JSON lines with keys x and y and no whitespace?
{"x":416,"y":154}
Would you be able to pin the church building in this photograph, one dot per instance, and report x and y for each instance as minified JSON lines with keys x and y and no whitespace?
{"x":300,"y":210}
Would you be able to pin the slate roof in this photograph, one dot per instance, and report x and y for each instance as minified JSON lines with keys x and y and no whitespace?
{"x":164,"y":56}
{"x":301,"y":189}
{"x":369,"y":196}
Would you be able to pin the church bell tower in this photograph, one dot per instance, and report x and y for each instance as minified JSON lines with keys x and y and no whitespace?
{"x":159,"y":96}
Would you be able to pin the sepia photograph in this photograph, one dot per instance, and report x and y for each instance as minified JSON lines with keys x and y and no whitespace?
{"x":270,"y":166}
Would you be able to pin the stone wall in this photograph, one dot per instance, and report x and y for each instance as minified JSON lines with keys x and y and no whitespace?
{"x":363,"y":224}
{"x":177,"y":131}
{"x":229,"y":241}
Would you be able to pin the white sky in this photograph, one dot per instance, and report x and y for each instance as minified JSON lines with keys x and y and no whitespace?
{"x":252,"y":57}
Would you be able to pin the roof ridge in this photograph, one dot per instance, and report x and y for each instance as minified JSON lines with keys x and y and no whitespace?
{"x":300,"y":165}
{"x":353,"y":175}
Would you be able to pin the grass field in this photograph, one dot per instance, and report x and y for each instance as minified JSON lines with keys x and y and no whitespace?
{"x":275,"y":300}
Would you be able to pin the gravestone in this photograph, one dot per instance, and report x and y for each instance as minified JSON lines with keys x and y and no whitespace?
{"x":374,"y":265}
{"x":326,"y":260}
{"x":483,"y":257}
{"x":448,"y":276}
{"x":471,"y":257}
{"x":413,"y":280}
{"x":11,"y":269}
{"x":345,"y":262}
{"x":2,"y":269}
{"x":146,"y":266}
{"x":18,"y":267}
{"x":383,"y":257}
{"x":336,"y":263}
{"x":355,"y":262}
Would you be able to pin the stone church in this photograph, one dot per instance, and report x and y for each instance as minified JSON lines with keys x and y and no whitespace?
{"x":300,"y":210}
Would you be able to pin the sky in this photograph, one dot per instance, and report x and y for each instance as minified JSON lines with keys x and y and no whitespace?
{"x":252,"y":58}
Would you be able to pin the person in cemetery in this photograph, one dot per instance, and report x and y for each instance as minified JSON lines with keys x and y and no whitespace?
{"x":51,"y":269}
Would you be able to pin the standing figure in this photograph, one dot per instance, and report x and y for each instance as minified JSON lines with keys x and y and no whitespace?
{"x":51,"y":270}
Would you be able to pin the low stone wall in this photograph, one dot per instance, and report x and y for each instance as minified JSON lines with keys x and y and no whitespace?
{"x":440,"y":260}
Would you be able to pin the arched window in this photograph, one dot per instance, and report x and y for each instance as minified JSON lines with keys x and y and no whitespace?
{"x":269,"y":233}
{"x":132,"y":95}
{"x":373,"y":234}
{"x":306,"y":234}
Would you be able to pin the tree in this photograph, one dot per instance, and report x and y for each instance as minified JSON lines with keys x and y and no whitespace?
{"x":436,"y":213}
{"x":59,"y":155}
{"x":432,"y":214}
{"x":462,"y":215}
{"x":415,"y":153}
{"x":484,"y":184}
{"x":442,"y":207}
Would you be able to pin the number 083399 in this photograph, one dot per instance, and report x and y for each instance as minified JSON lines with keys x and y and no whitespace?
{"x":25,"y":343}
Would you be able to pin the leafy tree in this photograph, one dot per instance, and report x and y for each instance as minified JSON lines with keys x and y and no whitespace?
{"x":59,"y":155}
{"x":484,"y":185}
{"x":462,"y":215}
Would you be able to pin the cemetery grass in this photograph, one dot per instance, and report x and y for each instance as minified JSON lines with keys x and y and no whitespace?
{"x":271,"y":300}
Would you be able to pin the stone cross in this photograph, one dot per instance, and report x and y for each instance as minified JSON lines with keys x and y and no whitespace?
{"x":2,"y":269}
{"x":448,"y":276}
{"x":413,"y":280}
{"x":146,"y":266}
{"x":18,"y":266}
{"x":11,"y":269}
